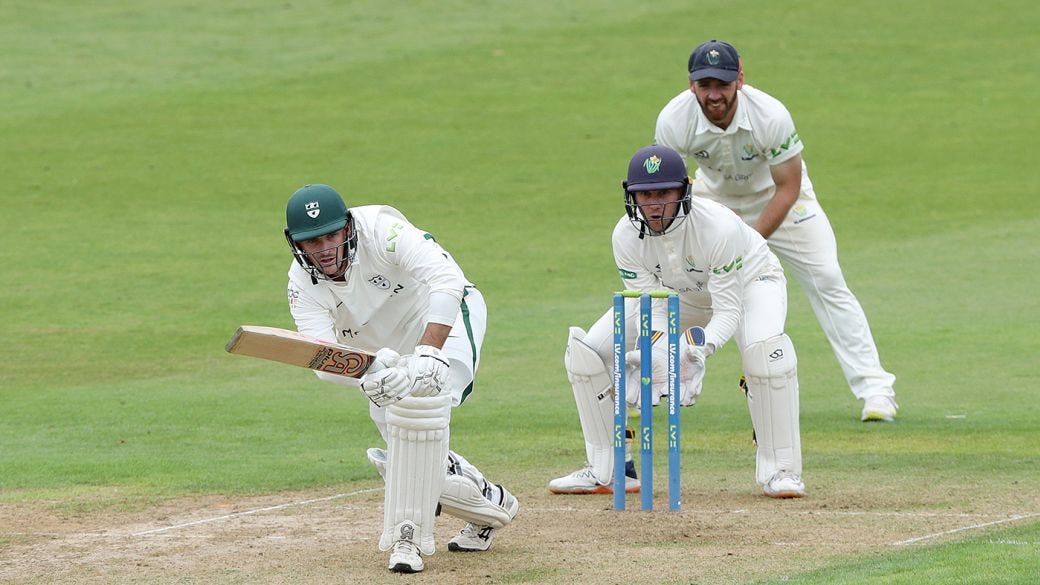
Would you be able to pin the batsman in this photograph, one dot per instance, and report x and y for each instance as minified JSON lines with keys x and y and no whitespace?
{"x":368,"y":278}
{"x":729,"y":284}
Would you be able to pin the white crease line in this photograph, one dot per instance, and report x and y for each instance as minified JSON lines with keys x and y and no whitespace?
{"x":256,"y":511}
{"x":1014,"y":518}
{"x":793,"y":512}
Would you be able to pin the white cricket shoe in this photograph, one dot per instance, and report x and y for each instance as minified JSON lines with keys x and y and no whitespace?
{"x":879,"y":408}
{"x":784,"y":484}
{"x":583,"y":481}
{"x":404,"y":556}
{"x":472,"y":538}
{"x":478,"y":537}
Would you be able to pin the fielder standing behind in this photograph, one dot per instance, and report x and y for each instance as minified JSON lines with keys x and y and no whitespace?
{"x":368,"y":278}
{"x":748,"y":157}
{"x":729,"y":283}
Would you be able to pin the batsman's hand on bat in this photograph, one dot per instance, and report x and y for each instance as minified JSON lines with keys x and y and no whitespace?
{"x":428,"y":371}
{"x":692,"y":352}
{"x":633,"y":371}
{"x":386,"y":381}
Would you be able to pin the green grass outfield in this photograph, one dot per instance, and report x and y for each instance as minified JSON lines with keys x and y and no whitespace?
{"x":148,"y":149}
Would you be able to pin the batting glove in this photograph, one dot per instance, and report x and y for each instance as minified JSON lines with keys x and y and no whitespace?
{"x":633,"y":371}
{"x":386,"y":381}
{"x":693,"y":352}
{"x":428,"y":371}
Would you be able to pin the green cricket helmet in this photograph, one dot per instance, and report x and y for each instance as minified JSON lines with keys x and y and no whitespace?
{"x":313,"y":211}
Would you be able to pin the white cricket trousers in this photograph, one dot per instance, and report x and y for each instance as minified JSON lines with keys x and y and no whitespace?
{"x":806,"y":245}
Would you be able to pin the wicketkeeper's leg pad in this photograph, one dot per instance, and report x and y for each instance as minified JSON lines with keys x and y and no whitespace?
{"x":417,"y":454}
{"x":771,"y":369}
{"x":592,"y":385}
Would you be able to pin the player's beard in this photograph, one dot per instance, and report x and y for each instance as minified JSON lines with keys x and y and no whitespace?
{"x":719,"y":111}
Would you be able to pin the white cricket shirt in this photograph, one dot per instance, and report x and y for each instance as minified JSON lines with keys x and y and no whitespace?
{"x":385,"y":300}
{"x":707,"y":260}
{"x":733,"y":162}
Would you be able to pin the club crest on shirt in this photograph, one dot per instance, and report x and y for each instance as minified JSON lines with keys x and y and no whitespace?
{"x":802,"y":213}
{"x":691,"y":264}
{"x":380,"y":281}
{"x":749,"y":152}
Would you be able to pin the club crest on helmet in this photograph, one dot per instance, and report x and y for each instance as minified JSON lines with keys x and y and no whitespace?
{"x":656,"y":168}
{"x":304,"y":220}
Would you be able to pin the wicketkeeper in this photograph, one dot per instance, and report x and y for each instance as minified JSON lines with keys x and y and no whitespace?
{"x":368,"y":278}
{"x":729,"y":283}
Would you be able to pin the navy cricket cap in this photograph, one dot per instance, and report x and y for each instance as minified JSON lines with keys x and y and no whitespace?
{"x":714,"y":59}
{"x":655,"y":168}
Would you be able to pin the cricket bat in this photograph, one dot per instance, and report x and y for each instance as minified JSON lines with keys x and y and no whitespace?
{"x":296,"y":349}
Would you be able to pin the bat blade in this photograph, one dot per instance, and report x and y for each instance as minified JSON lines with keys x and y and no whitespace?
{"x":296,"y":349}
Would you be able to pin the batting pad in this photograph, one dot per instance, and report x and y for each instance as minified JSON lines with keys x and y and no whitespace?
{"x":592,"y":392}
{"x":771,"y":369}
{"x":417,"y":455}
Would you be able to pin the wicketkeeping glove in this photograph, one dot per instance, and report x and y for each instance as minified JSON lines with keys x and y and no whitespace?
{"x":633,"y":371}
{"x":428,"y":371}
{"x":386,"y":380}
{"x":692,"y":352}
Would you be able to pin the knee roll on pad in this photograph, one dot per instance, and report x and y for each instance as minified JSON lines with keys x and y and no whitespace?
{"x":420,"y":414}
{"x":773,"y":357}
{"x":592,"y":385}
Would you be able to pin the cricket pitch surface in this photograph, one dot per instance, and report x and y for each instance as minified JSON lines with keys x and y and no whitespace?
{"x":730,"y":535}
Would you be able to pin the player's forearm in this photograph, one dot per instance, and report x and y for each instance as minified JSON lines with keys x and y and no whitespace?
{"x":776,"y":211}
{"x":436,"y":334}
{"x":787,"y":176}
